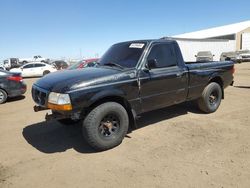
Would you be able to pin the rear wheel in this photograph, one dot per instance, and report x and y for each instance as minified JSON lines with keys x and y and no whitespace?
{"x":105,"y":126}
{"x":3,"y":96}
{"x":210,"y":100}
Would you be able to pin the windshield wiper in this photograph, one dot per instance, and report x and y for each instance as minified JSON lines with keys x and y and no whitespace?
{"x":114,"y":64}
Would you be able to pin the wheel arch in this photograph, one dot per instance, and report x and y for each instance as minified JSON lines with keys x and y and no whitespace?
{"x":118,"y":99}
{"x":217,"y":79}
{"x":4,"y":90}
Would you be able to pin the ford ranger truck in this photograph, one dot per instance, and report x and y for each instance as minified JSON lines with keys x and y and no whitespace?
{"x":132,"y":78}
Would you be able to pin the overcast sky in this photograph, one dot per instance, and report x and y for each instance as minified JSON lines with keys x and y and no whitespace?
{"x":68,"y":28}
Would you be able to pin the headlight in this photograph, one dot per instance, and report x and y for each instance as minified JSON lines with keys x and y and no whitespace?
{"x":58,"y":101}
{"x":58,"y":98}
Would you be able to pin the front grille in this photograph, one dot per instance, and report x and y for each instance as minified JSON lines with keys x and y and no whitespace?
{"x":40,"y":96}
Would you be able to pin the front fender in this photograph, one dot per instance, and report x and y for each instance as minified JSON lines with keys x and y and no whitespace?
{"x":85,"y":98}
{"x":106,"y":93}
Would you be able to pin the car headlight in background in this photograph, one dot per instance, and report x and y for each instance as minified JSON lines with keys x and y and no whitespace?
{"x":59,"y":101}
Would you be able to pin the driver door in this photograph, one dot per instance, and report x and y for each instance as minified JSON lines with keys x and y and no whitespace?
{"x":166,"y":83}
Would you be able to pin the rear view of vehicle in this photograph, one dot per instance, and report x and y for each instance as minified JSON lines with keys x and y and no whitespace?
{"x":11,"y":85}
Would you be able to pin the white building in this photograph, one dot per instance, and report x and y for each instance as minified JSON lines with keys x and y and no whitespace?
{"x":217,"y":40}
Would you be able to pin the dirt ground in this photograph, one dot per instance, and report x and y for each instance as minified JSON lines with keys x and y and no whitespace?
{"x":174,"y":147}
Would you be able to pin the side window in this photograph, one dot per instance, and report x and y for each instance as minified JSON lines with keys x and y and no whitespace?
{"x":164,"y":54}
{"x":28,"y":66}
{"x":91,"y":64}
{"x":39,"y":65}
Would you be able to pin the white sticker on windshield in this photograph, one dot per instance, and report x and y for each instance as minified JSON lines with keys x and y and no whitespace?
{"x":136,"y":45}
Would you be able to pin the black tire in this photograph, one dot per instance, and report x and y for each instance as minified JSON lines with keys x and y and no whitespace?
{"x":46,"y":72}
{"x":105,"y":126}
{"x":211,"y":97}
{"x":3,"y":96}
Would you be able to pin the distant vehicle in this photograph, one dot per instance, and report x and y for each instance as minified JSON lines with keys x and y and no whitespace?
{"x":231,"y":56}
{"x":36,"y":58}
{"x":34,"y":69}
{"x":2,"y":67}
{"x":83,"y":64}
{"x":244,"y":55}
{"x":204,"y":56}
{"x":59,"y":64}
{"x":11,"y":85}
{"x":10,"y":63}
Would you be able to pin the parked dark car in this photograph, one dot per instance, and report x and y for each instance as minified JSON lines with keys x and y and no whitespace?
{"x":11,"y":85}
{"x":204,"y":56}
{"x":84,"y":64}
{"x":60,"y":64}
{"x":132,"y":78}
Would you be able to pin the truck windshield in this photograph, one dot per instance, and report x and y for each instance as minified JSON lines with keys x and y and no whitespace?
{"x":123,"y":55}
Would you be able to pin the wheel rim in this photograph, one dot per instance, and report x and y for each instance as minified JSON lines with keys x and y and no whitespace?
{"x":2,"y":96}
{"x":109,"y":126}
{"x":213,"y":98}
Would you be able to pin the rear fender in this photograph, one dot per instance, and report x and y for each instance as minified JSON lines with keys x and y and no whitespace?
{"x":217,"y":78}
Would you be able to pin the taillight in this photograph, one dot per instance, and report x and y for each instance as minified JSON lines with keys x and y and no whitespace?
{"x":233,"y":70}
{"x":15,"y":78}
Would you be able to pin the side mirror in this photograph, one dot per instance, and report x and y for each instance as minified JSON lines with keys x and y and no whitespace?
{"x":195,"y":56}
{"x":151,"y":64}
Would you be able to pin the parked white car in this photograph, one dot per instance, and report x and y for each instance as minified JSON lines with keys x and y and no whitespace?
{"x":36,"y":58}
{"x":34,"y":69}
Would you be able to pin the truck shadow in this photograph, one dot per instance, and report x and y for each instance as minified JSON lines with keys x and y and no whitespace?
{"x":243,"y":87}
{"x":165,"y":114}
{"x":51,"y":137}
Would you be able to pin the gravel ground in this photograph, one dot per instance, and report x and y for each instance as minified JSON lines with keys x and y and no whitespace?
{"x":174,"y":147}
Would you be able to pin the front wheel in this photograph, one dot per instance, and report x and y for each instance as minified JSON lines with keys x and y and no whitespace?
{"x":211,"y":97}
{"x":105,"y":126}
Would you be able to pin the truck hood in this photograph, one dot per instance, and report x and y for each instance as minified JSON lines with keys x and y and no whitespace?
{"x":68,"y":80}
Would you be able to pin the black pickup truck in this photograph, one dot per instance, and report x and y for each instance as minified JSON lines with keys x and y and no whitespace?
{"x":132,"y":78}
